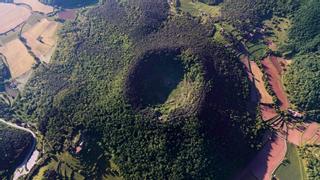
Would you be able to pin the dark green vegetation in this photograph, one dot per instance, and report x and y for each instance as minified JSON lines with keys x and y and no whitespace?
{"x":101,"y":63}
{"x":5,"y":109}
{"x":154,"y":78}
{"x":4,"y":74}
{"x":14,"y":146}
{"x":310,"y":154}
{"x":6,"y":1}
{"x":247,"y":15}
{"x":303,"y":83}
{"x":69,"y":3}
{"x":211,"y":2}
{"x":292,"y":166}
{"x":305,"y":33}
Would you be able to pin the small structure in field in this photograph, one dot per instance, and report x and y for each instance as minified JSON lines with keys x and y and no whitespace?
{"x":295,"y":114}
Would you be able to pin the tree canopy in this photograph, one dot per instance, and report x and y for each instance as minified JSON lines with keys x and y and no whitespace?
{"x":302,"y":81}
{"x":305,"y":32}
{"x":14,"y":144}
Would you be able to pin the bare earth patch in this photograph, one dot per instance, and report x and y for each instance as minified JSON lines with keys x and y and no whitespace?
{"x":294,"y":136}
{"x":11,"y":16}
{"x":273,"y":70}
{"x":18,"y":58}
{"x":265,"y":97}
{"x":267,"y":112}
{"x":68,"y":14}
{"x":36,"y":6}
{"x":42,"y":39}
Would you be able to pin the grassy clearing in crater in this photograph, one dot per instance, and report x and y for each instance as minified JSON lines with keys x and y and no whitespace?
{"x":155,"y":76}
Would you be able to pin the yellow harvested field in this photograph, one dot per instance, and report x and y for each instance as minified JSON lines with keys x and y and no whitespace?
{"x":42,"y":39}
{"x":265,"y":97}
{"x":18,"y":58}
{"x":12,"y":16}
{"x":36,"y":6}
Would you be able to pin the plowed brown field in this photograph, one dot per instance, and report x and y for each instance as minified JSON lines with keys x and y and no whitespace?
{"x":36,"y":6}
{"x":12,"y":16}
{"x":42,"y":39}
{"x":18,"y":58}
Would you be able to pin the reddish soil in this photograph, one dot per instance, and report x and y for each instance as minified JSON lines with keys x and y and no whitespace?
{"x":68,"y":14}
{"x":273,"y":70}
{"x":267,"y":112}
{"x":308,"y":133}
{"x":245,"y":61}
{"x":267,"y":160}
{"x":276,"y":62}
{"x":294,"y":136}
{"x":312,"y":132}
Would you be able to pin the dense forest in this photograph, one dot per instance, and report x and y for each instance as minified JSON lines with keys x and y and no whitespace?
{"x":310,"y":155}
{"x":247,"y":15}
{"x":69,"y":3}
{"x":303,"y":83}
{"x":14,"y":144}
{"x":160,"y":134}
{"x":305,"y":33}
{"x":211,"y":2}
{"x":4,"y":74}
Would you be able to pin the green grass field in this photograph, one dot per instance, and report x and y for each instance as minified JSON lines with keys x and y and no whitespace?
{"x":278,"y":29}
{"x":65,"y":167}
{"x":292,"y":168}
{"x":195,"y":8}
{"x":257,"y":50}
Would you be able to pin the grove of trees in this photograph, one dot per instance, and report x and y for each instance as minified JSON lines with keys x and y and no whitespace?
{"x":305,"y":32}
{"x":302,"y":81}
{"x":4,"y":74}
{"x":14,"y":145}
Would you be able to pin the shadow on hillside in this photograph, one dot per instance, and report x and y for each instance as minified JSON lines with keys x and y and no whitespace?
{"x":257,"y":168}
{"x":72,"y":4}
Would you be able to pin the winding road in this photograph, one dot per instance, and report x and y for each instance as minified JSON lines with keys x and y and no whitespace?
{"x":32,"y":156}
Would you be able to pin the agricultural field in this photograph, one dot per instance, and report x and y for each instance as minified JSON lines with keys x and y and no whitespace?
{"x":17,"y":57}
{"x":277,"y":28}
{"x":273,"y":69}
{"x":265,"y":97}
{"x":198,"y":8}
{"x":42,"y":39}
{"x":292,"y":167}
{"x":64,"y":168}
{"x":36,"y":6}
{"x":12,"y":16}
{"x":67,"y":14}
